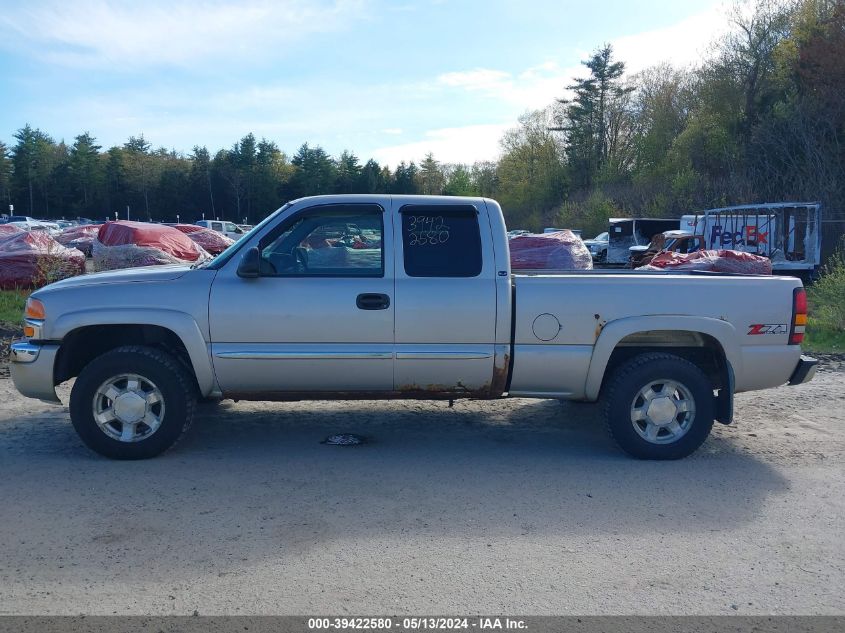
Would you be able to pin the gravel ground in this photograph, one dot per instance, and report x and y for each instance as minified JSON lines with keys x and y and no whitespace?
{"x":517,"y":506}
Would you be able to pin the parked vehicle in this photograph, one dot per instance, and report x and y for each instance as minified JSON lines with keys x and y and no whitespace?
{"x":229,"y":229}
{"x":677,"y":241}
{"x":788,"y":233}
{"x":416,"y":301}
{"x":551,"y":229}
{"x":627,"y":232}
{"x":23,"y":222}
{"x":598,"y":246}
{"x":31,"y":224}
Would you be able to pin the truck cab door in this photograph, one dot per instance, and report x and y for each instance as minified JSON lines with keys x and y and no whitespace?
{"x":319,"y":317}
{"x":445,"y":298}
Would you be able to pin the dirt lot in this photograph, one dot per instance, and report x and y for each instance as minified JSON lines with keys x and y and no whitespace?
{"x":517,"y":506}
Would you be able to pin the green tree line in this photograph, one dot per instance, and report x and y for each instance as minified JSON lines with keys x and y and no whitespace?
{"x":762,"y":118}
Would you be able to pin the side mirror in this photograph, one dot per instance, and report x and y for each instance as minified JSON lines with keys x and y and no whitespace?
{"x":250,"y":266}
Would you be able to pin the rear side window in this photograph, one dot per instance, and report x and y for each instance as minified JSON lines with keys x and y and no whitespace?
{"x":441,"y":241}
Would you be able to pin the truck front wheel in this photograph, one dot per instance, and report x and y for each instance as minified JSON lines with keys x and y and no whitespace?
{"x":132,"y":402}
{"x":659,"y":406}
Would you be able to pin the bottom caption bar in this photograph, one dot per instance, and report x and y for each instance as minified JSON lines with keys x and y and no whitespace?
{"x":403,"y":624}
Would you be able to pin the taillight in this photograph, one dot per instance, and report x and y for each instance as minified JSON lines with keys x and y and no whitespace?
{"x":799,"y":316}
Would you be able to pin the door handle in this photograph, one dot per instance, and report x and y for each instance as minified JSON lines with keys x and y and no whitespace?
{"x":372,"y":301}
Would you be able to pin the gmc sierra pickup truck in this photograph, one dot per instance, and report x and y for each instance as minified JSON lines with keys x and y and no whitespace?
{"x":374,"y":297}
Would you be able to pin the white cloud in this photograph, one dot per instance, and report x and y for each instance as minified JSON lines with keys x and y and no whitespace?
{"x":681,"y":44}
{"x":449,"y":145}
{"x":96,"y":33}
{"x":393,"y":131}
{"x":536,"y":87}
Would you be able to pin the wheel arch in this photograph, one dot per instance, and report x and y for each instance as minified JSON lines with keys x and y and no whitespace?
{"x":86,"y":334}
{"x":702,"y":340}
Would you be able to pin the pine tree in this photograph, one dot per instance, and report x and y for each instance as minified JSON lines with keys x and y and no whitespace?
{"x":348,"y":173}
{"x":5,"y":178}
{"x":201,"y":179}
{"x":30,"y":159}
{"x":373,"y":178}
{"x":430,"y":176}
{"x":139,"y":167}
{"x":315,"y":173}
{"x":85,"y":167}
{"x":586,"y":120}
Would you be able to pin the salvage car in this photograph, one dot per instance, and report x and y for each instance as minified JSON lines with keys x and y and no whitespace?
{"x":417,"y":300}
{"x":598,"y":246}
{"x":229,"y":229}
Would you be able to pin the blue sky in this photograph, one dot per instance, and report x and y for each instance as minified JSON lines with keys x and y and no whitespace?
{"x":392,"y":80}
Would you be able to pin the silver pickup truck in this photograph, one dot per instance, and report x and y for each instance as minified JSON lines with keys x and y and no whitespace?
{"x":375,"y":297}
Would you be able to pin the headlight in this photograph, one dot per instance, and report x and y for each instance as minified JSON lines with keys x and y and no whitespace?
{"x":34,"y":315}
{"x":34,"y":309}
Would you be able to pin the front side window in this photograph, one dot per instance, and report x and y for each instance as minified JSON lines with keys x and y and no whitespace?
{"x":328,"y":241}
{"x":441,"y":241}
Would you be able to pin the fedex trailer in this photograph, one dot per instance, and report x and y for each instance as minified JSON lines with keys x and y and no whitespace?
{"x":788,"y":233}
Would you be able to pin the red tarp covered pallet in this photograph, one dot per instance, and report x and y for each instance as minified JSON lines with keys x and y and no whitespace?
{"x":75,"y":232}
{"x":9,"y":229}
{"x":561,"y":250}
{"x":721,"y":261}
{"x":80,"y":237}
{"x":212,"y":241}
{"x":129,"y":244}
{"x":30,"y":259}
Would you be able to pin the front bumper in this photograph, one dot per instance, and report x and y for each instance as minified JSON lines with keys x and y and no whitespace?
{"x":804,"y":371}
{"x":31,"y":367}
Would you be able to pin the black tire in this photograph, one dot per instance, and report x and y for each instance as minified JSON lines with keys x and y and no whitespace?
{"x":172,"y":381}
{"x":621,"y":397}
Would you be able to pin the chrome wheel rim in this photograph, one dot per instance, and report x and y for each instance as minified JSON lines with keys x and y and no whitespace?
{"x":128,"y":408}
{"x":662,"y":411}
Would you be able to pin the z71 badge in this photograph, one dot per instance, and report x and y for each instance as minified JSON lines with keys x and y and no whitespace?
{"x":767,"y":328}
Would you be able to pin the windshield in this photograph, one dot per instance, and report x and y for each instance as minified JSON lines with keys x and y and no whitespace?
{"x":226,"y":255}
{"x":601,"y":237}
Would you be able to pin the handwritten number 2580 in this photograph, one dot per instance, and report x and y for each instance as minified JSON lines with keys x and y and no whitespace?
{"x":427,"y":230}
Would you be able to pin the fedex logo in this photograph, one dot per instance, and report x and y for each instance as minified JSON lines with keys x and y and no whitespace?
{"x":749,"y":235}
{"x":767,"y":328}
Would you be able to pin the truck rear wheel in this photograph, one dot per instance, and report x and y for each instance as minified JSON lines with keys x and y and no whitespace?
{"x":132,"y":403}
{"x":659,"y":406}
